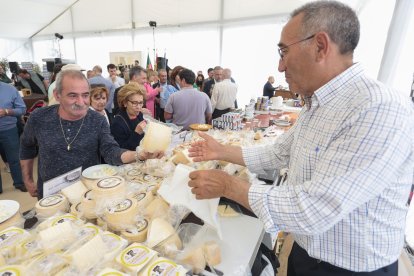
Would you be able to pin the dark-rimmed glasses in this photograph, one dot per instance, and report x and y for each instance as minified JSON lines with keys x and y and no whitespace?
{"x":282,"y":50}
{"x":135,"y":103}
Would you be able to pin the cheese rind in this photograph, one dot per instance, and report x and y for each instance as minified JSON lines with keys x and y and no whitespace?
{"x":50,"y":205}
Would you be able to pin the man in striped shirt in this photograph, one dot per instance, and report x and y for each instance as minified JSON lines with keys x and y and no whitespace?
{"x":350,"y":155}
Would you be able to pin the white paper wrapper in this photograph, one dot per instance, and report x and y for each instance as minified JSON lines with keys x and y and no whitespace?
{"x":177,"y":192}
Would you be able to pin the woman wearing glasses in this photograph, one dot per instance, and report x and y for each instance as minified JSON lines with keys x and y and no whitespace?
{"x":128,"y":125}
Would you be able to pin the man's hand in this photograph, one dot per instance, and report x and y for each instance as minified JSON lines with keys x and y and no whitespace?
{"x":144,"y":155}
{"x":31,"y":188}
{"x":209,"y":149}
{"x":209,"y":183}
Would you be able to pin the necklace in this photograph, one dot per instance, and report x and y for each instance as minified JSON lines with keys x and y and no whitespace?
{"x":66,"y":138}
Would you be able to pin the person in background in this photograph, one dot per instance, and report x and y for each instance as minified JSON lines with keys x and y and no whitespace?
{"x":166,"y":91}
{"x":350,"y":155}
{"x":200,"y":81}
{"x":51,"y":99}
{"x":98,"y":99}
{"x":210,"y":74}
{"x":33,"y":81}
{"x":224,"y":95}
{"x":3,"y":76}
{"x":113,"y":76}
{"x":128,"y":125}
{"x":11,"y":108}
{"x":268,"y":89}
{"x":174,"y":78}
{"x":152,"y":78}
{"x":90,"y":74}
{"x":188,"y":106}
{"x":98,"y":79}
{"x":69,"y":135}
{"x":209,"y":85}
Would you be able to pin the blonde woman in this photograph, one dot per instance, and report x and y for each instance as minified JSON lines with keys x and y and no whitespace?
{"x":128,"y":125}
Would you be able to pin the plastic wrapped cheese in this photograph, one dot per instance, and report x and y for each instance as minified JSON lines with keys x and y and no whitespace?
{"x":162,"y":235}
{"x":137,"y":233}
{"x":157,"y":207}
{"x":110,"y":272}
{"x":74,"y":192}
{"x":135,"y":257}
{"x":212,"y":253}
{"x":88,"y":205}
{"x":157,"y":138}
{"x":122,"y":215}
{"x":50,"y":205}
{"x":57,"y":237}
{"x":89,"y":254}
{"x":143,"y":199}
{"x":195,"y":259}
{"x":10,"y":238}
{"x":163,"y":267}
{"x":13,"y":270}
{"x":114,"y":243}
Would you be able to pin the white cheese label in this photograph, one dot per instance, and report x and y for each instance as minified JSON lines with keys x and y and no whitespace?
{"x":109,"y":182}
{"x":51,"y":200}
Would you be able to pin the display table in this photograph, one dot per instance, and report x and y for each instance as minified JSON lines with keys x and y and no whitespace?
{"x":32,"y":99}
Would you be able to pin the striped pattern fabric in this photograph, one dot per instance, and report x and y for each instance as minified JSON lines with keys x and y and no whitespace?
{"x":351,"y":165}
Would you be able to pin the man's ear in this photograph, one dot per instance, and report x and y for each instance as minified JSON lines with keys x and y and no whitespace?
{"x":56,"y":95}
{"x":322,"y":41}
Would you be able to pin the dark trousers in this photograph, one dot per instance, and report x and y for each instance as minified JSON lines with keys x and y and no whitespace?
{"x":217,"y":112}
{"x":301,"y":264}
{"x":10,"y":143}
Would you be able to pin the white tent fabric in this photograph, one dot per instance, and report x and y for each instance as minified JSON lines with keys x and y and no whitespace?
{"x":198,"y":34}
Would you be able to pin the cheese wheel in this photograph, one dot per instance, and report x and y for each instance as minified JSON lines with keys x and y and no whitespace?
{"x":135,"y":257}
{"x":195,"y":259}
{"x":122,"y":215}
{"x":109,"y":188}
{"x":50,"y":205}
{"x":110,"y":272}
{"x":13,"y":270}
{"x":89,"y":254}
{"x":162,"y":235}
{"x":212,"y":253}
{"x":15,"y":220}
{"x":157,"y":138}
{"x":143,"y":199}
{"x":74,"y":192}
{"x":88,"y":205}
{"x":164,"y":267}
{"x":133,"y":174}
{"x":138,"y":233}
{"x":75,"y":209}
{"x":88,"y":182}
{"x":153,"y":188}
{"x":158,"y":207}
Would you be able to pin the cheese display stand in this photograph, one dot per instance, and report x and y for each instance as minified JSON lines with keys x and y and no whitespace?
{"x":120,"y":225}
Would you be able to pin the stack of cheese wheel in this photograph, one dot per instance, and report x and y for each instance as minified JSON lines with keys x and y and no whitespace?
{"x":161,"y":235}
{"x":15,"y":220}
{"x":50,"y":205}
{"x":157,"y":132}
{"x":137,"y":233}
{"x":109,"y":188}
{"x":88,"y":205}
{"x":88,"y":182}
{"x":122,"y":216}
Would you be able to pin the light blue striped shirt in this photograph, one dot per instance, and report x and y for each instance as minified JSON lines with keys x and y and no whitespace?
{"x":10,"y":99}
{"x":351,"y":165}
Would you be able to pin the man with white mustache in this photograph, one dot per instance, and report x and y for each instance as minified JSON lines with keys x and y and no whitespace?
{"x":69,"y":135}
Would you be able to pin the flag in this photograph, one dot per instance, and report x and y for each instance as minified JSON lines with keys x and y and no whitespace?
{"x":156,"y":61}
{"x":149,"y":65}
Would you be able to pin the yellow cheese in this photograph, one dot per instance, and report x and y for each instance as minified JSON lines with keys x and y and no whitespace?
{"x":212,"y":253}
{"x":163,"y":267}
{"x":88,"y":182}
{"x":50,"y":205}
{"x":13,"y":270}
{"x":138,"y":233}
{"x":157,"y":137}
{"x":157,"y":207}
{"x":144,"y":199}
{"x":161,"y":235}
{"x":135,"y":257}
{"x":110,"y":272}
{"x":122,"y":215}
{"x":227,"y":211}
{"x":88,"y":205}
{"x":182,"y":157}
{"x":74,"y":192}
{"x":109,"y":188}
{"x":195,"y":259}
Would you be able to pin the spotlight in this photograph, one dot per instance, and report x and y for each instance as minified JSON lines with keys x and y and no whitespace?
{"x":57,"y":35}
{"x":152,"y":23}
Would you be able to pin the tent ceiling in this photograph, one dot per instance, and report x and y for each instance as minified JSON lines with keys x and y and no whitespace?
{"x":26,"y":18}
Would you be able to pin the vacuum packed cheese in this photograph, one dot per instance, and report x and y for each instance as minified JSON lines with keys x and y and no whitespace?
{"x":122,"y":215}
{"x":157,"y":138}
{"x":89,"y":254}
{"x":163,"y":267}
{"x":54,"y":220}
{"x":182,"y":157}
{"x":137,"y":233}
{"x":114,"y":243}
{"x":10,"y":238}
{"x":135,"y":257}
{"x":57,"y":237}
{"x":50,"y":205}
{"x":195,"y":259}
{"x":110,"y":272}
{"x":74,"y":192}
{"x":13,"y":270}
{"x":212,"y":253}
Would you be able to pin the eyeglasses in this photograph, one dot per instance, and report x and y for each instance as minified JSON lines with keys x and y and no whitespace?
{"x":282,"y":50}
{"x":134,"y":103}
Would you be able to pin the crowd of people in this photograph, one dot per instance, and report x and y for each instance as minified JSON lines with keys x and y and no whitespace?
{"x":350,"y":155}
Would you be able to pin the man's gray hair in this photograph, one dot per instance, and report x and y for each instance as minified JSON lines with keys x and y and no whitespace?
{"x":67,"y":73}
{"x":136,"y":70}
{"x":338,"y":20}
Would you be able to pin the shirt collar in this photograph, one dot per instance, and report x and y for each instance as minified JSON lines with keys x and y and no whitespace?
{"x":332,"y":88}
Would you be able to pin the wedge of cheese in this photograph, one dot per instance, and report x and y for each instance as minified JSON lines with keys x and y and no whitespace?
{"x":161,"y":235}
{"x":74,"y":192}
